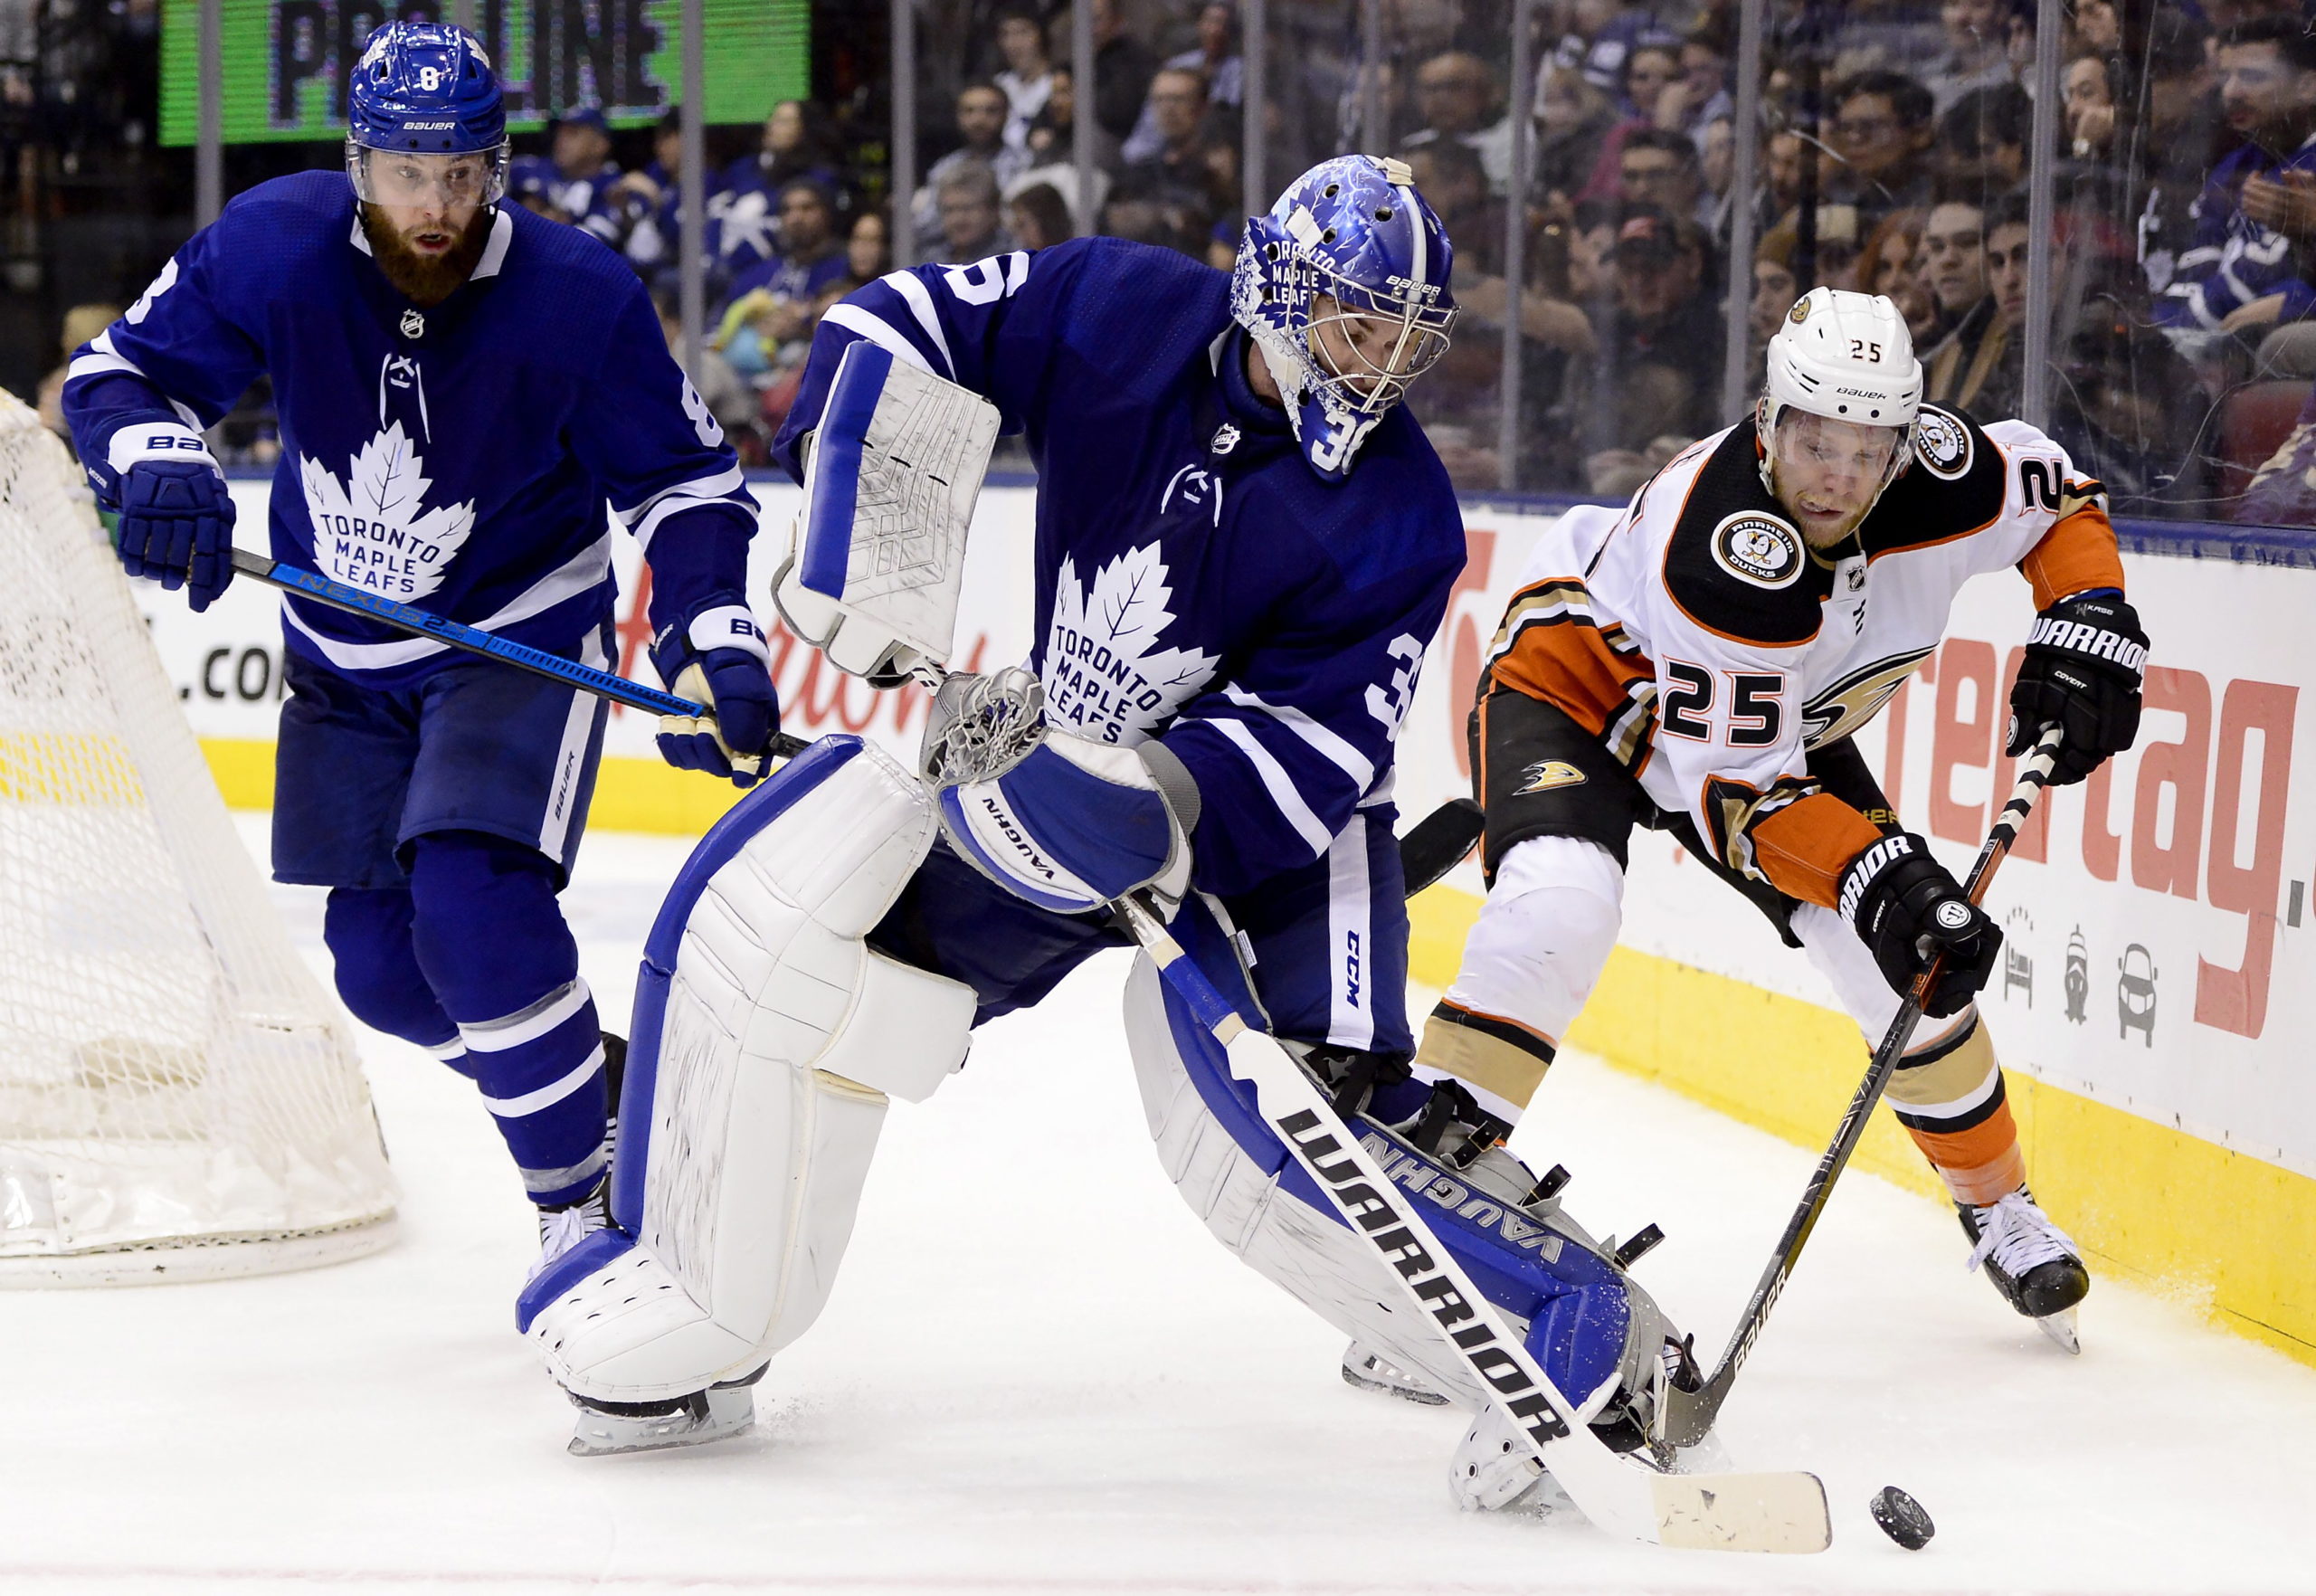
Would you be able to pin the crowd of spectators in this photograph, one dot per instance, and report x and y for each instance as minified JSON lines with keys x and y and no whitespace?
{"x":1893,"y":154}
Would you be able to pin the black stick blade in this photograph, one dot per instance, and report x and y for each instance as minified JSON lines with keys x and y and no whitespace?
{"x":1439,"y":841}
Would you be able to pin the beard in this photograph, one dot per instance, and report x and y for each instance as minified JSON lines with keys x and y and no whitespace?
{"x":426,"y":281}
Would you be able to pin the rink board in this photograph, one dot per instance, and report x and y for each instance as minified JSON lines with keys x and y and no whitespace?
{"x":2155,"y":918}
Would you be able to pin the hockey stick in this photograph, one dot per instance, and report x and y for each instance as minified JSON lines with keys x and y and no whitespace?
{"x":1439,"y":842}
{"x":457,"y":634}
{"x":1686,"y":1416}
{"x":1706,"y":1512}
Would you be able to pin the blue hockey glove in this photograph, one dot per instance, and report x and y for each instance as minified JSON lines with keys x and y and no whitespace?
{"x":1065,"y":822}
{"x":176,"y":517}
{"x":719,"y":659}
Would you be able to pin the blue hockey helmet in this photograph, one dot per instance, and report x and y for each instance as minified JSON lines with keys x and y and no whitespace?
{"x":1344,"y":286}
{"x":427,"y":90}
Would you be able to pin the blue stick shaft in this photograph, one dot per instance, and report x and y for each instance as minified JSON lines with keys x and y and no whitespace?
{"x":606,"y":684}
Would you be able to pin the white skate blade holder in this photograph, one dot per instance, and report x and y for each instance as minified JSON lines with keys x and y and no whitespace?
{"x":713,"y":1414}
{"x":1783,"y":1513}
{"x":879,"y":556}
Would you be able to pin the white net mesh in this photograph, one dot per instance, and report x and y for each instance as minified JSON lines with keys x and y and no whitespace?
{"x":178,"y":1094}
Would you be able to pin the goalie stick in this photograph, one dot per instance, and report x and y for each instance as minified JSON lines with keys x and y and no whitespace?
{"x":1686,"y":1416}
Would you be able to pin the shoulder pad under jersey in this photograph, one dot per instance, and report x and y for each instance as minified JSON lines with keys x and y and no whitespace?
{"x":1956,"y":486}
{"x":1735,"y":564}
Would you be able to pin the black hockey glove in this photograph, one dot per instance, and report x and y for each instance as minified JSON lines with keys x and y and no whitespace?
{"x":2084,"y":659}
{"x":1908,"y":909}
{"x":718,"y":657}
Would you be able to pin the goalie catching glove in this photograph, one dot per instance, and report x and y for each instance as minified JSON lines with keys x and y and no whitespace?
{"x":1065,"y":822}
{"x":176,"y":517}
{"x":2084,"y":659}
{"x":1909,"y":909}
{"x":718,"y":657}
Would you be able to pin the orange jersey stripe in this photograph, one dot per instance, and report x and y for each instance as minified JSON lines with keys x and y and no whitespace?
{"x":1569,"y":663}
{"x":2076,"y":554}
{"x":1804,"y":847}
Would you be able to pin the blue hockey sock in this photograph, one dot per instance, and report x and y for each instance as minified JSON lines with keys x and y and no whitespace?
{"x":491,"y":939}
{"x":368,"y":932}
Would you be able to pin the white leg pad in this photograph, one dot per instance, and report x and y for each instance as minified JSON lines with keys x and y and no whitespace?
{"x":781,"y":1037}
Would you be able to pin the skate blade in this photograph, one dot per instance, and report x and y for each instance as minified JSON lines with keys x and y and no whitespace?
{"x":2060,"y":1327}
{"x":728,"y":1412}
{"x":1406,"y":1391}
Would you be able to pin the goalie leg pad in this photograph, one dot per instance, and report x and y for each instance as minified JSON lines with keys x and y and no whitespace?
{"x":768,"y":1039}
{"x":1596,"y":1333}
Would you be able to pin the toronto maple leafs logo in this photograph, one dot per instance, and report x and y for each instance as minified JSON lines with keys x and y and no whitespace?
{"x":1104,"y":677}
{"x":374,"y":530}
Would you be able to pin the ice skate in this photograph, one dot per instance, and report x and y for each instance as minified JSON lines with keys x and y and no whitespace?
{"x":568,"y":1224}
{"x":607,"y":1429}
{"x":2031,"y":1261}
{"x":1365,"y":1369}
{"x":1494,"y":1470}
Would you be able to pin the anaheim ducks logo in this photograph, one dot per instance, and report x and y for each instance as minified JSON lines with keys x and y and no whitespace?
{"x":1757,"y":549}
{"x":1800,"y":311}
{"x":1546,"y":774}
{"x":1942,"y":443}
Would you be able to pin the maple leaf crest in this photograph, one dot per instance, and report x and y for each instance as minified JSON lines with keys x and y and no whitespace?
{"x":374,"y":530}
{"x":1104,"y":677}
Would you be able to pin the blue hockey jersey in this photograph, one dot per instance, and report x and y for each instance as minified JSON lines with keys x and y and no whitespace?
{"x":460,"y":457}
{"x":1195,"y":579}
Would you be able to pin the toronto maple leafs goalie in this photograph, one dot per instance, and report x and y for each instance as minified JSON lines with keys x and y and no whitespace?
{"x":1243,"y":546}
{"x":461,"y":387}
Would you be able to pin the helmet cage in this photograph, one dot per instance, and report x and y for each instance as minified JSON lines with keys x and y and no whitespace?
{"x":443,"y":167}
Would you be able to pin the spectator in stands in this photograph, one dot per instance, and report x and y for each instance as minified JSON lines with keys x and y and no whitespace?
{"x":980,"y":125}
{"x":1691,"y":102}
{"x":1458,"y":95}
{"x":796,"y":143}
{"x":1039,"y":218}
{"x":2129,"y":410}
{"x":1775,"y":289}
{"x":1653,"y":66}
{"x":1785,"y":163}
{"x":1977,"y":54}
{"x":1216,"y":60}
{"x":1953,"y":263}
{"x":1983,"y":141}
{"x":1656,"y":168}
{"x":1885,"y":266}
{"x":1663,"y":336}
{"x":1977,"y":368}
{"x":2260,"y":200}
{"x":2087,"y":93}
{"x":777,"y":302}
{"x":1028,"y":79}
{"x":1717,"y":164}
{"x":1168,"y":223}
{"x":1448,"y":175}
{"x":1181,"y":173}
{"x":1573,"y":117}
{"x":868,"y":252}
{"x":1053,"y":150}
{"x":1122,"y":70}
{"x":2181,"y":117}
{"x":972,"y":228}
{"x":1882,"y":130}
{"x":577,"y":172}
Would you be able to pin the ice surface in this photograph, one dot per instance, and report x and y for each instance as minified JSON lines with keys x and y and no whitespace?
{"x":1039,"y":1374}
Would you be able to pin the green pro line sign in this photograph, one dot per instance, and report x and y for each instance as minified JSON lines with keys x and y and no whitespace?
{"x":287,"y":62}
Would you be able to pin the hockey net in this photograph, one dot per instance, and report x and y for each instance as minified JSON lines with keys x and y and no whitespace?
{"x":179,"y":1097}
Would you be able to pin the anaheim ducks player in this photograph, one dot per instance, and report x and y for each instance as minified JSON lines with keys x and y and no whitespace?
{"x":1699,"y":662}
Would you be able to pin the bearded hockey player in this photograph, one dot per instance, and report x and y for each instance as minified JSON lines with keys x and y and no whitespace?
{"x":1243,"y":546}
{"x":1699,"y":662}
{"x":462,"y":387}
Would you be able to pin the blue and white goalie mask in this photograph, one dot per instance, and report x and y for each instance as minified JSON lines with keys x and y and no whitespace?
{"x":426,"y":121}
{"x":1344,"y":286}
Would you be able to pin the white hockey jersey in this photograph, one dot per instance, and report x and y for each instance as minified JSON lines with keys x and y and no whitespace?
{"x":1698,"y":633}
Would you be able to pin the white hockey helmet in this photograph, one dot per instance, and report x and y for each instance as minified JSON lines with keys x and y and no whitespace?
{"x":1847,"y":357}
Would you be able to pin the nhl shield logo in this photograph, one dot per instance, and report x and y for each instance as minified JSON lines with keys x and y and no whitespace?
{"x":1226,"y":438}
{"x":1758,"y":548}
{"x":414,"y":324}
{"x":1546,"y":774}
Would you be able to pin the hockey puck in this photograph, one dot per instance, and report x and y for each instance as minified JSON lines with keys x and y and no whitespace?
{"x":1902,"y":1518}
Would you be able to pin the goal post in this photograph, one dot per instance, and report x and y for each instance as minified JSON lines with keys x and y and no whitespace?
{"x":180,"y":1099}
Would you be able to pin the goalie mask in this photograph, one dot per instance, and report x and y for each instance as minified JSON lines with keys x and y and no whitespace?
{"x":1344,"y":286}
{"x":425,"y":116}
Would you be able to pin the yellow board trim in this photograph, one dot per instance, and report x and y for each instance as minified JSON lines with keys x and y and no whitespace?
{"x":2232,"y":1234}
{"x":630,"y":794}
